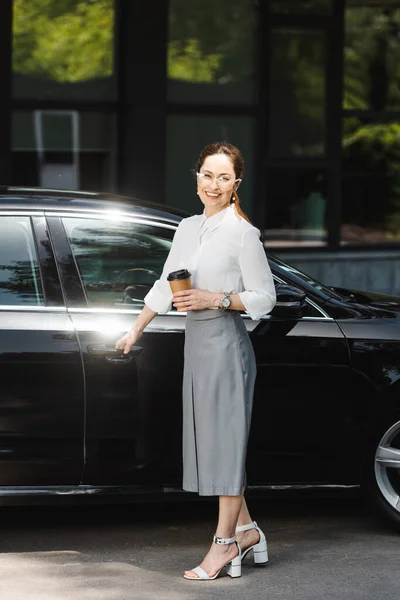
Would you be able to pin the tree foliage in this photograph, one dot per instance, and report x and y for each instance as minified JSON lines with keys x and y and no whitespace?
{"x":219,"y":36}
{"x":372,"y":59}
{"x":63,"y":40}
{"x":187,"y":62}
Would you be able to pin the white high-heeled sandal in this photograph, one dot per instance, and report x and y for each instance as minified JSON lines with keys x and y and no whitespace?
{"x":260,"y":550}
{"x":234,"y":566}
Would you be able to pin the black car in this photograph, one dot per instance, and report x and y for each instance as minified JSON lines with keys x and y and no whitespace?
{"x":79,"y":418}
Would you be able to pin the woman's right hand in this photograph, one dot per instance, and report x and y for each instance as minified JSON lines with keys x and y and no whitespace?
{"x":128,"y":340}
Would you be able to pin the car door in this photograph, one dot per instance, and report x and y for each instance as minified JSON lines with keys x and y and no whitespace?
{"x":133,"y":403}
{"x":41,"y":392}
{"x":301,"y":410}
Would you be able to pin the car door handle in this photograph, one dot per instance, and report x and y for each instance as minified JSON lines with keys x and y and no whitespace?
{"x":112,"y":352}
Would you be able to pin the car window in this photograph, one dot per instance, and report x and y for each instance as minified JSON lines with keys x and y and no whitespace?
{"x":118,"y":261}
{"x":303,"y":279}
{"x":20,"y":282}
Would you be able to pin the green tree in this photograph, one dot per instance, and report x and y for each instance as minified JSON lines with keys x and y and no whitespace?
{"x":209,"y":41}
{"x":63,"y":40}
{"x":188,"y":63}
{"x":372,"y":58}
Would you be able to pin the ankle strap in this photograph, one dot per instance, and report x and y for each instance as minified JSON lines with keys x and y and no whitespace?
{"x":252,"y":525}
{"x":218,"y":540}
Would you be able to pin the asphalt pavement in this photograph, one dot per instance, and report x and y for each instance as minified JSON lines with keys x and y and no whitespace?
{"x":319,"y":549}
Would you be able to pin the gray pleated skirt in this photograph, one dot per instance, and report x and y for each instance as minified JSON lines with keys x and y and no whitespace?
{"x":218,"y":386}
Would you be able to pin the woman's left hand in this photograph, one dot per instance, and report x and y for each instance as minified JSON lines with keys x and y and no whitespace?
{"x":193,"y":300}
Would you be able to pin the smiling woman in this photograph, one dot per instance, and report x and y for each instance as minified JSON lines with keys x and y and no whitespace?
{"x":220,"y":169}
{"x":230,"y":274}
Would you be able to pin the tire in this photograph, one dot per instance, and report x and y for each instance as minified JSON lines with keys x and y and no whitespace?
{"x":381,"y":475}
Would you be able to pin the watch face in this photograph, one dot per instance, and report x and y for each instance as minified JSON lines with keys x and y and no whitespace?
{"x":225,"y":302}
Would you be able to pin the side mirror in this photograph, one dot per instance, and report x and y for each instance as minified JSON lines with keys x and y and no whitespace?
{"x":289,"y":298}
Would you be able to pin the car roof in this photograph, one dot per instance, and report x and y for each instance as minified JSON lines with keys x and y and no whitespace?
{"x":36,"y":198}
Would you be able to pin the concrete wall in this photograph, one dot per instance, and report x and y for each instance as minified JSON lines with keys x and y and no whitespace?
{"x":377,"y":271}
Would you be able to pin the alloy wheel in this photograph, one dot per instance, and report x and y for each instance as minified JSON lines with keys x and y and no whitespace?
{"x":387,"y":466}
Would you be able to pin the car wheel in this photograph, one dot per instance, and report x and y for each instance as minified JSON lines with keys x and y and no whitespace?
{"x":381,"y":479}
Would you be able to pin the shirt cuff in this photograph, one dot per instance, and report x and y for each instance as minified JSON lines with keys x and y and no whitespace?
{"x":157,"y":302}
{"x":256,"y":305}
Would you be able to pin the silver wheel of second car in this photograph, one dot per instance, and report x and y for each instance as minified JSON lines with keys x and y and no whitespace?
{"x":387,"y":466}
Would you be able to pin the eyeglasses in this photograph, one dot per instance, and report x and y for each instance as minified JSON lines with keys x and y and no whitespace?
{"x":223,"y":181}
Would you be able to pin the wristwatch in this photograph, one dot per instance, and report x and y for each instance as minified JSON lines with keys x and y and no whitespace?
{"x":225,"y":302}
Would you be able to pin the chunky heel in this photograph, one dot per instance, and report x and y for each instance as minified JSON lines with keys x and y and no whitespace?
{"x":260,"y":553}
{"x":234,"y":569}
{"x":260,"y":550}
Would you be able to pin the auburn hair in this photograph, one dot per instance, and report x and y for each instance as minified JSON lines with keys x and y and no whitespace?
{"x":236,"y":157}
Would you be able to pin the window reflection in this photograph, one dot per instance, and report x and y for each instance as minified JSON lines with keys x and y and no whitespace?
{"x":19,"y":271}
{"x":371,"y":182}
{"x":372,"y":57}
{"x":63,"y":149}
{"x":300,"y":6}
{"x":297,"y":93}
{"x":118,"y":261}
{"x":211,"y":51}
{"x":63,"y":49}
{"x":296,"y":207}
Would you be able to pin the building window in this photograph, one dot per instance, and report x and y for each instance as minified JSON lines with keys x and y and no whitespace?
{"x":371,"y":125}
{"x":186,"y":137}
{"x":300,"y":7}
{"x":371,"y":181}
{"x":372,"y":56}
{"x":296,"y":207}
{"x":297,"y":93}
{"x":63,"y":50}
{"x":212,"y":52}
{"x":63,"y":149}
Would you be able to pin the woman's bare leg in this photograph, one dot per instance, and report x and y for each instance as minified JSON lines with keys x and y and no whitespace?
{"x":250,"y":537}
{"x":244,"y":515}
{"x":219,"y":555}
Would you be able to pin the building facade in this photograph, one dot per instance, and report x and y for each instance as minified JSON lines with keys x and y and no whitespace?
{"x":121,"y":95}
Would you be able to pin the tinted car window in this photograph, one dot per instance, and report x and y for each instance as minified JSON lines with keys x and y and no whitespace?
{"x":20,"y":282}
{"x":118,"y":261}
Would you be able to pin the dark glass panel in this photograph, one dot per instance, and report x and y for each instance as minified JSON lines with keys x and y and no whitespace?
{"x":302,"y":7}
{"x":371,"y":182}
{"x":63,"y":149}
{"x":372,"y":57}
{"x":118,"y":261}
{"x":211,"y":51}
{"x":296,"y":207}
{"x":20,"y":283}
{"x":297,"y":93}
{"x":63,"y":49}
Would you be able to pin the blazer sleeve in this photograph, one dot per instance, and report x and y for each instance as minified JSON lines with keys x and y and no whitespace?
{"x":259,"y":296}
{"x":159,"y":297}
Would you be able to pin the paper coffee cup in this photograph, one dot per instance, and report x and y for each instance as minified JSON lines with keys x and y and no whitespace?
{"x":178,"y":281}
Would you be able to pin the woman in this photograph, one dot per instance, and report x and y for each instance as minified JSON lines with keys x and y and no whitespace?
{"x":230,"y":273}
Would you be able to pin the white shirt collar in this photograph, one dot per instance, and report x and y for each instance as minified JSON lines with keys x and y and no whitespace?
{"x":211,"y":223}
